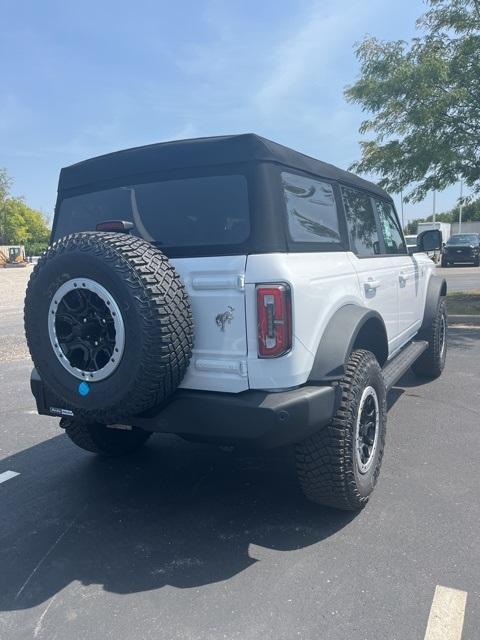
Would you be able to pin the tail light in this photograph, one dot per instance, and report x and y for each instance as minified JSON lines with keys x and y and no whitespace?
{"x":274,"y":314}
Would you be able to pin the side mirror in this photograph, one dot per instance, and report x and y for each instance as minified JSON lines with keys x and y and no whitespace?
{"x":430,"y":240}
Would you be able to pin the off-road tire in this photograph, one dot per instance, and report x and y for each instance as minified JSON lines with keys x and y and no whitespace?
{"x":103,"y":440}
{"x":156,"y":314}
{"x":432,"y":361}
{"x":326,"y":462}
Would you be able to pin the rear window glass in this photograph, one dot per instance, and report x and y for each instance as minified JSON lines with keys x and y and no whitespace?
{"x":311,"y":209}
{"x":208,"y":210}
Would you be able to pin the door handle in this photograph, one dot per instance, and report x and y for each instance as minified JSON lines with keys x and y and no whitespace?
{"x":371,"y":285}
{"x":403,"y":277}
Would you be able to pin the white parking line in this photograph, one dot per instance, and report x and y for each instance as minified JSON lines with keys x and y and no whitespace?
{"x":447,"y":612}
{"x":6,"y":475}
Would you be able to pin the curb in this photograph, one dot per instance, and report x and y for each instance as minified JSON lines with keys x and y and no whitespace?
{"x":464,"y":319}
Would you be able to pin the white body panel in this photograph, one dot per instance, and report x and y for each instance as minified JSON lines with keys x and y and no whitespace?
{"x":320,"y":283}
{"x":215,"y":286}
{"x":395,"y":287}
{"x":377,"y":278}
{"x":412,"y":276}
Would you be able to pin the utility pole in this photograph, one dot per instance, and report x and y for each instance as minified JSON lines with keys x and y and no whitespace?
{"x":461,"y":207}
{"x":434,"y":212}
{"x":401,"y":209}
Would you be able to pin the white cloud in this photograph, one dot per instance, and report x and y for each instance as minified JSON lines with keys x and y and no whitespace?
{"x":306,"y":59}
{"x":188,"y":130}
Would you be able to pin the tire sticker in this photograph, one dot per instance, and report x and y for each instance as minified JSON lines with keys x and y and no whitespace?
{"x":61,"y":412}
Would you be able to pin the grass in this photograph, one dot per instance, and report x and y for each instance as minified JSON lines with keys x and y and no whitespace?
{"x":464,"y":303}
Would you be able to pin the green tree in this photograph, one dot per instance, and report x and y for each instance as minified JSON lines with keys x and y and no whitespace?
{"x":412,"y":227}
{"x":5,"y":184}
{"x":15,"y":230}
{"x":470,"y":212}
{"x":19,"y":223}
{"x":424,"y":102}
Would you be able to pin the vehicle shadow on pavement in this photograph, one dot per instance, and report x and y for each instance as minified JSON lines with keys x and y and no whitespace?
{"x":175,"y":514}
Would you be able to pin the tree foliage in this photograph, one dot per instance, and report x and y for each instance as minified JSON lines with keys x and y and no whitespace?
{"x":470,"y":213}
{"x":424,"y":102}
{"x":19,"y":223}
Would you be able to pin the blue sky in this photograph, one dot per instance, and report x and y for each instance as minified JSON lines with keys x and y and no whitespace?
{"x":84,"y":78}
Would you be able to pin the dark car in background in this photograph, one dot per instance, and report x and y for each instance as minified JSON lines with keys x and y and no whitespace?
{"x":462,"y":248}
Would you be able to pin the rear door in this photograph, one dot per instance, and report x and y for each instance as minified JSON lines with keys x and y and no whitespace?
{"x":377,"y":273}
{"x":410,"y":274}
{"x":216,"y":288}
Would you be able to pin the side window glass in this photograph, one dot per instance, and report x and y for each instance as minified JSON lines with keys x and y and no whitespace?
{"x":361,"y":223}
{"x":392,"y":235}
{"x":311,"y":209}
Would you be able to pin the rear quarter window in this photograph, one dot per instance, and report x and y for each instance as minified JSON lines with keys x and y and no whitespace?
{"x":311,"y":209}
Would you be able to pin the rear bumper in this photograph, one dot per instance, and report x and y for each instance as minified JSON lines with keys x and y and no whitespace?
{"x":258,"y":418}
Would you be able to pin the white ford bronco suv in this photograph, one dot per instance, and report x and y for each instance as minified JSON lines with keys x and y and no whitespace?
{"x":231,"y":290}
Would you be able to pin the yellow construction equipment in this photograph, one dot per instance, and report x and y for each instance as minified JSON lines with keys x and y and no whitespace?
{"x":12,"y":256}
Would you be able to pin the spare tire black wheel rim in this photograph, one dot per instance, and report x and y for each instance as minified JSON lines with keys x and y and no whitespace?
{"x":367,"y":429}
{"x":86,"y":329}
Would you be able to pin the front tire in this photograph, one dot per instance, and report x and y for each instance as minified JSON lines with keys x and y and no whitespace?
{"x":339,"y":465}
{"x":432,"y":361}
{"x":102,"y":440}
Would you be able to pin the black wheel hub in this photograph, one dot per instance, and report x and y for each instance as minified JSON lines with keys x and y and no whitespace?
{"x":367,"y":429}
{"x":85,"y":330}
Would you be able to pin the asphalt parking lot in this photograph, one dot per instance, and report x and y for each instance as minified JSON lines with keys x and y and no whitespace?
{"x":188,"y":541}
{"x":461,"y":278}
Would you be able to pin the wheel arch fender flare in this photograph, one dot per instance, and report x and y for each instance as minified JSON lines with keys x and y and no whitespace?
{"x":437,"y":288}
{"x":350,"y":326}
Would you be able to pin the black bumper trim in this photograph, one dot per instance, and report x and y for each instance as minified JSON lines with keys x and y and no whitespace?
{"x":260,"y":418}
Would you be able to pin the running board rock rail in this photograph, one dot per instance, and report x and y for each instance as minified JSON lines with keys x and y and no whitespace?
{"x":399,"y":364}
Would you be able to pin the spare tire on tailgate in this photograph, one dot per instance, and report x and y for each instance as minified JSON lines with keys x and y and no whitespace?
{"x":108,"y":324}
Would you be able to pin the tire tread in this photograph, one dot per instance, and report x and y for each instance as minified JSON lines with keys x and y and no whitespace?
{"x":325,"y":459}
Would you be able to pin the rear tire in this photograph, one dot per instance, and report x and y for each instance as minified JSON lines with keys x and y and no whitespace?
{"x":445,"y":262}
{"x":103,"y":440}
{"x":477,"y":263}
{"x":339,"y":465}
{"x":432,"y":361}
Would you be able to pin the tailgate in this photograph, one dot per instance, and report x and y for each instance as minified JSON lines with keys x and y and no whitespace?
{"x":216,"y":288}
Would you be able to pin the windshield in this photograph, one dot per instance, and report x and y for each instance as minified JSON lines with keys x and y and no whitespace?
{"x":464,"y":238}
{"x":185,"y":212}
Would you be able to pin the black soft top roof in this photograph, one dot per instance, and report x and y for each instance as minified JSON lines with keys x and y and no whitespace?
{"x":198,"y":152}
